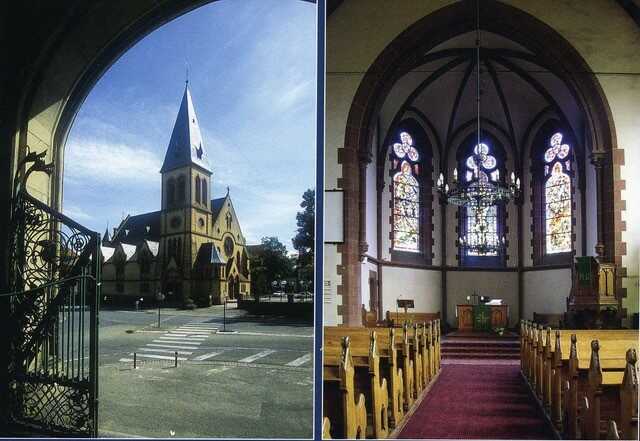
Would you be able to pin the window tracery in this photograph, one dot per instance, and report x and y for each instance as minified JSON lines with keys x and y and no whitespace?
{"x":481,"y":223}
{"x":406,"y":196}
{"x":557,"y":196}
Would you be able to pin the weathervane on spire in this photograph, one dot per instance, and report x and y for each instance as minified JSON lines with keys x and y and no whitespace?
{"x":186,"y":64}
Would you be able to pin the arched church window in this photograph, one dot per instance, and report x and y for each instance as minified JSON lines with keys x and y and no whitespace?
{"x":197,"y":189}
{"x":557,"y":196}
{"x":181,"y":189}
{"x":481,"y":226}
{"x":409,"y":154}
{"x":204,"y":192}
{"x":406,"y":195}
{"x":552,"y":168}
{"x":171,"y":191}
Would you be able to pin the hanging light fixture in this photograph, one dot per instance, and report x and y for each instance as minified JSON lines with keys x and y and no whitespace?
{"x":478,"y":192}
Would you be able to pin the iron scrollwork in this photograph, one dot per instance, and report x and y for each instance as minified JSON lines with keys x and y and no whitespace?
{"x":53,"y":314}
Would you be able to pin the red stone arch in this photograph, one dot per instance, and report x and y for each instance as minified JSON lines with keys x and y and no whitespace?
{"x":403,"y":53}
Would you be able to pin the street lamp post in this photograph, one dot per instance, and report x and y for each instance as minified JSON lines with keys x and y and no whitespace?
{"x":159,"y":297}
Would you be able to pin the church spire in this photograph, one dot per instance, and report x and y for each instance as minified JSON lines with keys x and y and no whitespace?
{"x":105,"y":236}
{"x":186,"y":146}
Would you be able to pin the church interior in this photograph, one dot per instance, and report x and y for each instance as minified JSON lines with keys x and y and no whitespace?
{"x":481,"y":243}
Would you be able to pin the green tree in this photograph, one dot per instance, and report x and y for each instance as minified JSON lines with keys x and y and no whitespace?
{"x":269,"y":262}
{"x":304,"y":240}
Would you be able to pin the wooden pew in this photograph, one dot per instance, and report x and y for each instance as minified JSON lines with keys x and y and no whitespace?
{"x":368,"y":379}
{"x":398,"y":319}
{"x":390,"y":368}
{"x":612,"y":395}
{"x":549,"y":367}
{"x":349,"y":417}
{"x":326,"y":428}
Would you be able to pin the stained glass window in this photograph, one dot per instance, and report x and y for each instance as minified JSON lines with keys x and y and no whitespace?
{"x":406,"y":195}
{"x":481,"y":224}
{"x":557,"y":196}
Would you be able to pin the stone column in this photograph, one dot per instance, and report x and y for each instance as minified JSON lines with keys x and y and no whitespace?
{"x":443,"y":259}
{"x":598,"y":159}
{"x":364,"y":159}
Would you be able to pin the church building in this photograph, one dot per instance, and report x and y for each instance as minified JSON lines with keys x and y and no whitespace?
{"x":192,"y":250}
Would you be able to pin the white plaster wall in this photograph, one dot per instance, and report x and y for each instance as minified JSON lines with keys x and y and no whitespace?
{"x":592,"y":214}
{"x":421,"y":285}
{"x":527,"y":221}
{"x":330,"y":298}
{"x":545,"y":292}
{"x":385,"y":212}
{"x":371,"y":209}
{"x":496,"y":284}
{"x":364,"y":281}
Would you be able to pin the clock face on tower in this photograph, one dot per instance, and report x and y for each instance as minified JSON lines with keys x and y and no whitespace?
{"x":175,"y":222}
{"x":228,"y":246}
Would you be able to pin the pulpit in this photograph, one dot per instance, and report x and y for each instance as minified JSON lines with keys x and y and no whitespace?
{"x":592,"y":302}
{"x":482,"y":317}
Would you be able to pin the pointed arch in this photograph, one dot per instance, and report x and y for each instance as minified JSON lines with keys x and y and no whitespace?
{"x":553,"y":169}
{"x":410,"y":157}
{"x":198,"y":189}
{"x":205,"y":198}
{"x":182,"y":186}
{"x":171,"y":191}
{"x":482,"y":225}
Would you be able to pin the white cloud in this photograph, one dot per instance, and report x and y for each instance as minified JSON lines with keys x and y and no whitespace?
{"x":76,"y":213}
{"x":269,"y":213}
{"x":299,"y":94}
{"x":101,"y":161}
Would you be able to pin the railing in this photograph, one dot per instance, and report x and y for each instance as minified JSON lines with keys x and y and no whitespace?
{"x":53,"y":314}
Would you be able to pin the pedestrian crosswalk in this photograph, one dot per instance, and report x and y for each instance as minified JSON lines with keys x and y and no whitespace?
{"x":188,"y":342}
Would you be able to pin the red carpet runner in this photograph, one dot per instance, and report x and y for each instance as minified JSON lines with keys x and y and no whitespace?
{"x":477,"y":401}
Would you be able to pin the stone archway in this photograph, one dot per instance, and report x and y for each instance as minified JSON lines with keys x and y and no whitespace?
{"x":402,"y":54}
{"x":56,"y":53}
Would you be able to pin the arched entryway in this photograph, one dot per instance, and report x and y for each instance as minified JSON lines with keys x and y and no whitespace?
{"x":408,"y":51}
{"x":52,"y":72}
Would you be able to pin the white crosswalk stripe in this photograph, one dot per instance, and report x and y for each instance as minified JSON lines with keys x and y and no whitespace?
{"x":187,"y":338}
{"x":207,"y":356}
{"x":172,"y":346}
{"x":300,"y":360}
{"x":257,"y":356}
{"x":161,"y":357}
{"x":187,"y":334}
{"x":185,"y":342}
{"x":166,"y":351}
{"x":183,"y":331}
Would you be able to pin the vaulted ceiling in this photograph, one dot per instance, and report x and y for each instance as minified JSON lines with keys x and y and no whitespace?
{"x":517,"y":90}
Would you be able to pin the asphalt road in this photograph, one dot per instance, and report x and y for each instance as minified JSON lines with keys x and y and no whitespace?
{"x":256,"y":381}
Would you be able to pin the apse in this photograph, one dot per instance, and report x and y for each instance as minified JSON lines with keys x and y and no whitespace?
{"x":526,"y":121}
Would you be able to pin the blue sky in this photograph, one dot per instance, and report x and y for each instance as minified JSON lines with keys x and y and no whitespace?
{"x":252,"y":77}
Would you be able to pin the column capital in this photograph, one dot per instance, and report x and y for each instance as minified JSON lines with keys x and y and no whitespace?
{"x":598,"y":158}
{"x":365,"y":157}
{"x":363,"y":247}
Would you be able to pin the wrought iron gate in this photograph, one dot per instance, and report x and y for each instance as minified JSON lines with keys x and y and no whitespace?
{"x":53,"y":314}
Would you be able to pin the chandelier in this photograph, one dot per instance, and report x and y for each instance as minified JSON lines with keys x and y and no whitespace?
{"x":477,"y":191}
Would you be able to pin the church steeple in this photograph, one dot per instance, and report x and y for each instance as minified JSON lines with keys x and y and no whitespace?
{"x":186,"y":146}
